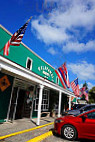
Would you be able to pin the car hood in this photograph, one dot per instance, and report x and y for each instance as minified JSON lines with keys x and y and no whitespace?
{"x":73,"y":112}
{"x":67,"y":117}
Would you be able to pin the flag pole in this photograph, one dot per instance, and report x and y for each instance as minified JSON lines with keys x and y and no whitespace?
{"x":74,"y":79}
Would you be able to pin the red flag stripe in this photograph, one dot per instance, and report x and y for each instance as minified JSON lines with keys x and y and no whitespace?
{"x":60,"y":79}
{"x":6,"y":48}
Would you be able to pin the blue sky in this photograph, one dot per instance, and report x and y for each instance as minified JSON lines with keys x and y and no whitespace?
{"x":60,"y":30}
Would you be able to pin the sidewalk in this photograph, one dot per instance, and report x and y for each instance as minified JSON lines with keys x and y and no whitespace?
{"x":22,"y":124}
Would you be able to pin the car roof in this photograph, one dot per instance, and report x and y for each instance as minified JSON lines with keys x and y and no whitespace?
{"x":87,"y":106}
{"x":87,"y":112}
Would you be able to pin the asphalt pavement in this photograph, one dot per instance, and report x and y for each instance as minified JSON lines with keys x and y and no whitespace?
{"x":26,"y":124}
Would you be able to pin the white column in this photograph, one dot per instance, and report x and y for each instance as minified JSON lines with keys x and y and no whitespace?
{"x":59,"y":106}
{"x":39,"y":105}
{"x":69,"y":102}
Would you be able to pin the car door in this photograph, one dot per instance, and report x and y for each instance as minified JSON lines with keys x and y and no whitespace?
{"x":88,"y":125}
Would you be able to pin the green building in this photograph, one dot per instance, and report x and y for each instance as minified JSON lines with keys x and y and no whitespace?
{"x":29,"y":86}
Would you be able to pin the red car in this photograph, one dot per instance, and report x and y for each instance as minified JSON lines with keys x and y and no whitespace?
{"x":80,"y":126}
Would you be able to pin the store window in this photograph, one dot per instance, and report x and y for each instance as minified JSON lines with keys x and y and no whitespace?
{"x":45,"y":100}
{"x":29,"y":63}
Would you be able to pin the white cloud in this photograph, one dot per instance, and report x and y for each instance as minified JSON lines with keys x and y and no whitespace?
{"x":48,"y":33}
{"x":52,"y":51}
{"x":67,"y":16}
{"x":80,"y":85}
{"x":90,"y":85}
{"x":77,"y":13}
{"x":79,"y":47}
{"x":83,"y":70}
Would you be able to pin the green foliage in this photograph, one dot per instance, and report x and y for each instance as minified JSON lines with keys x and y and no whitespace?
{"x":92,"y":95}
{"x":85,"y":85}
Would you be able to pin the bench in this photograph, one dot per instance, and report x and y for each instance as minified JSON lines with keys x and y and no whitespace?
{"x":45,"y":114}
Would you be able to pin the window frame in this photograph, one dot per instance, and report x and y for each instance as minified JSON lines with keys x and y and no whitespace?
{"x":45,"y":98}
{"x":28,"y":58}
{"x":57,"y":80}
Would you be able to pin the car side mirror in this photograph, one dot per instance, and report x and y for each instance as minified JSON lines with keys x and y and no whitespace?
{"x":84,"y":117}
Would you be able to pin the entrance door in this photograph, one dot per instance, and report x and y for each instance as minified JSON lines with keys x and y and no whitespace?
{"x":13,"y":103}
{"x":20,"y":104}
{"x":21,"y":101}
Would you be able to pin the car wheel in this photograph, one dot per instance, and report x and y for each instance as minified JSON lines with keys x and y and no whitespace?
{"x":69,"y":132}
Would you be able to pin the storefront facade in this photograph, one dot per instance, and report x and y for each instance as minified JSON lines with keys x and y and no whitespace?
{"x":27,"y":82}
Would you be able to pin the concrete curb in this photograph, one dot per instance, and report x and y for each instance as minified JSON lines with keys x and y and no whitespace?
{"x":41,"y":137}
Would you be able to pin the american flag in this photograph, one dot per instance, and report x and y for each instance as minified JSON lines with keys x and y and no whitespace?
{"x":86,"y":94}
{"x":62,"y":74}
{"x":82,"y":91}
{"x":75,"y":86}
{"x":16,"y":38}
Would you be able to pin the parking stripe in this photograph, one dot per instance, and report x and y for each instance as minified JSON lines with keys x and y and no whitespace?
{"x":41,"y":137}
{"x":24,"y":131}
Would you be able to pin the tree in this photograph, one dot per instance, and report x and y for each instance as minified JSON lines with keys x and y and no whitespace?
{"x":85,"y":85}
{"x":92,"y":95}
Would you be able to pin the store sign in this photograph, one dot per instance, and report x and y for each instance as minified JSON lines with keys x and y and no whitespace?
{"x":4,"y":83}
{"x":46,"y":72}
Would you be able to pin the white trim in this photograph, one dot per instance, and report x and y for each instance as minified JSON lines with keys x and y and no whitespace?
{"x":10,"y":101}
{"x":15,"y":107}
{"x":24,"y":73}
{"x":59,"y":106}
{"x":69,"y":102}
{"x":40,"y":102}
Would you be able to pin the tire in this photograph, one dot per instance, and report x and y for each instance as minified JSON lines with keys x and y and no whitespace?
{"x":69,"y":132}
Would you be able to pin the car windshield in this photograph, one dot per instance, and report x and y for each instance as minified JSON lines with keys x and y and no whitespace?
{"x":78,"y":114}
{"x":78,"y":106}
{"x":85,"y":109}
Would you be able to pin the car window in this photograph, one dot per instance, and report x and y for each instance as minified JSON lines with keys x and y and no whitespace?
{"x":93,"y":107}
{"x":91,"y":115}
{"x":78,"y":106}
{"x":87,"y":108}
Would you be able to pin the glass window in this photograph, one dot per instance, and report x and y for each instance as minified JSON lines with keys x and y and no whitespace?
{"x":29,"y":63}
{"x":93,"y":107}
{"x":91,"y":115}
{"x":87,"y":108}
{"x":45,"y":100}
{"x":57,"y":80}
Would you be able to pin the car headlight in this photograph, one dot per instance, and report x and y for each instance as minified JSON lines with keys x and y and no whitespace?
{"x":59,"y":121}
